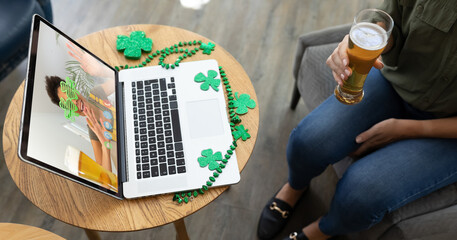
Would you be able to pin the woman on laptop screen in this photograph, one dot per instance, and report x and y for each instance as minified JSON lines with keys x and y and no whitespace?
{"x":99,"y":113}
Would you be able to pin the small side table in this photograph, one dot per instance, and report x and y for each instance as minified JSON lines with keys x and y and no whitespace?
{"x":80,"y":206}
{"x":13,"y":231}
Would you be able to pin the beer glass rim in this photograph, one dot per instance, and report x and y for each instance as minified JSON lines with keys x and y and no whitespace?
{"x":381,"y":12}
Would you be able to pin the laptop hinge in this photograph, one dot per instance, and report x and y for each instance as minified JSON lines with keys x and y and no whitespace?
{"x":122,"y":150}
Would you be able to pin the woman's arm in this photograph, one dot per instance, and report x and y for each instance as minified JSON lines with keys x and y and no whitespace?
{"x":101,"y":152}
{"x":392,"y":130}
{"x":102,"y":155}
{"x":436,"y":128}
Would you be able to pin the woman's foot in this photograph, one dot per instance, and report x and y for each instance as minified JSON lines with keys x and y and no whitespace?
{"x":310,"y":232}
{"x":313,"y":232}
{"x":277,"y":211}
{"x":290,"y":195}
{"x":296,"y":236}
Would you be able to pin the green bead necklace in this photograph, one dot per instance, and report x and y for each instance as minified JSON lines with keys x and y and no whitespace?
{"x":165,"y":52}
{"x":237,"y":131}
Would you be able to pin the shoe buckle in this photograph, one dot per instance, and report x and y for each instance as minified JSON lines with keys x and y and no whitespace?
{"x":275,"y":207}
{"x":293,"y":236}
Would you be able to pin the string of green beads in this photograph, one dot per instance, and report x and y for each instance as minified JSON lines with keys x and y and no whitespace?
{"x":163,"y":53}
{"x":234,"y":120}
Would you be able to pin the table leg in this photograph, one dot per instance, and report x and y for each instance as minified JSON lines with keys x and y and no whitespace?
{"x":181,"y":232}
{"x":92,"y":235}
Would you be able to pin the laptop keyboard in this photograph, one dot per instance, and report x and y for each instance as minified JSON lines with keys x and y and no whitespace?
{"x":158,"y":141}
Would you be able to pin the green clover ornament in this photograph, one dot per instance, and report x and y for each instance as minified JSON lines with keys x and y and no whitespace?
{"x":207,"y":48}
{"x":241,"y":132}
{"x":133,"y":45}
{"x":69,"y":109}
{"x":242,"y":103}
{"x":69,"y":88}
{"x":209,"y":159}
{"x":208,"y":81}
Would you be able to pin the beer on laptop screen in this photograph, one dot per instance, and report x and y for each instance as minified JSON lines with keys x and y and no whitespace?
{"x":73,"y":118}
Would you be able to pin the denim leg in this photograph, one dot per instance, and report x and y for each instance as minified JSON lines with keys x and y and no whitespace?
{"x":327,"y":134}
{"x":387,"y":179}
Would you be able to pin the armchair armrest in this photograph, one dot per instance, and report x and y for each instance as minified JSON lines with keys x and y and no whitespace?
{"x":321,"y":37}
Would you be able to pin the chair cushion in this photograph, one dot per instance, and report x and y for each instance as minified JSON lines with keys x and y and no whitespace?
{"x":315,"y":80}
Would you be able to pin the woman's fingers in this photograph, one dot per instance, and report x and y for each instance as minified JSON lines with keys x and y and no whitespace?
{"x":342,"y":51}
{"x":338,"y":61}
{"x":334,"y":62}
{"x":74,"y":56}
{"x":102,"y":125}
{"x":338,"y":79}
{"x":75,"y":49}
{"x":378,"y":63}
{"x":91,"y":116}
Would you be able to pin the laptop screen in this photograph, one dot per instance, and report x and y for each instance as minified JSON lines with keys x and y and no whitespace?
{"x":70,"y":120}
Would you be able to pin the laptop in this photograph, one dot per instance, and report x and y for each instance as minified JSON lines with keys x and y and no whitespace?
{"x":130,"y":133}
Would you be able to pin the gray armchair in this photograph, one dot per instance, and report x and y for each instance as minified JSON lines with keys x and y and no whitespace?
{"x":15,"y":30}
{"x":431,"y":217}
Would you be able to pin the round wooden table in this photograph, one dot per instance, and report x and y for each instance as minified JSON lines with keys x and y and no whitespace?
{"x":13,"y":231}
{"x":80,"y":206}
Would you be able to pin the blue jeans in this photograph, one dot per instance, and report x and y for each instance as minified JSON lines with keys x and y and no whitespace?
{"x":381,"y":181}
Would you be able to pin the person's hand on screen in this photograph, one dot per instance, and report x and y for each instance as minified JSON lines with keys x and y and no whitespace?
{"x":88,"y":63}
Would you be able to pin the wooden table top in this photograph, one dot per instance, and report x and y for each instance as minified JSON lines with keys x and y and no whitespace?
{"x":83,"y":207}
{"x":13,"y":231}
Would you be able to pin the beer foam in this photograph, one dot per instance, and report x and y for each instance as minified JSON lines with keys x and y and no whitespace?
{"x":72,"y":159}
{"x":368,"y":36}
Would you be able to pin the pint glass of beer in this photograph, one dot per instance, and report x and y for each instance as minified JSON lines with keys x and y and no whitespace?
{"x":82,"y":165}
{"x":368,"y":37}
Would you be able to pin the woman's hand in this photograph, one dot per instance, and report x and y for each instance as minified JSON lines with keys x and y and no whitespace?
{"x":338,"y":61}
{"x":379,"y":135}
{"x":88,"y":63}
{"x":101,"y":151}
{"x":95,"y":125}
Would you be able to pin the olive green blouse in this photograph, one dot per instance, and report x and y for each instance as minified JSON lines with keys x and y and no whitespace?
{"x":422,"y":64}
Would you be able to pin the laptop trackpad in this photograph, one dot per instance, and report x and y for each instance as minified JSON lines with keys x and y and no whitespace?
{"x":204,"y":118}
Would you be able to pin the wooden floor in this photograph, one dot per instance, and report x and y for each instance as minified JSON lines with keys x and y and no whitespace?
{"x":262,"y":36}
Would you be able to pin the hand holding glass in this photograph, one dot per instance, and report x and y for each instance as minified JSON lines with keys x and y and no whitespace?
{"x":368,"y":37}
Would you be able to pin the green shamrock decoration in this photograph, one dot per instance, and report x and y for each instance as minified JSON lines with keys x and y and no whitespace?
{"x":207,"y":48}
{"x":210,"y":159}
{"x":133,"y":45}
{"x":69,"y":88}
{"x":208,"y":81}
{"x":242,"y":103}
{"x":241,"y":132}
{"x":69,"y":109}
